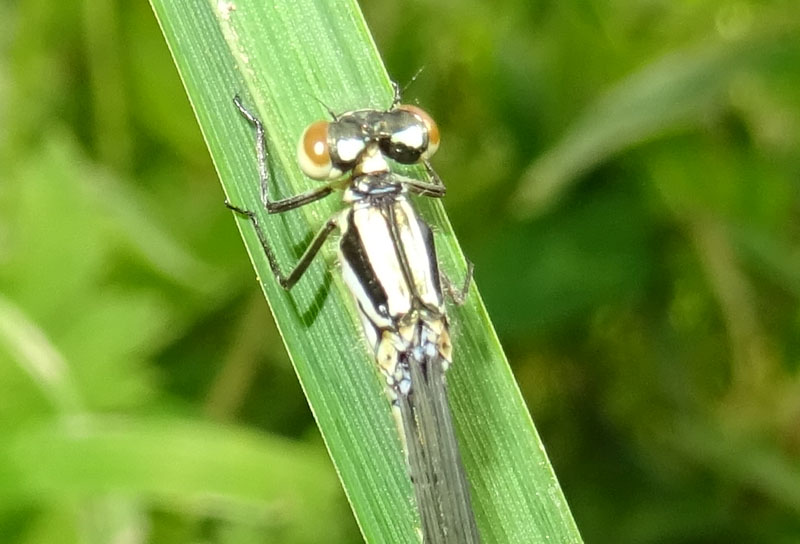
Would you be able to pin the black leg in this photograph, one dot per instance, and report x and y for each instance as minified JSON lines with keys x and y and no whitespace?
{"x":435,"y":190}
{"x":296,"y":201}
{"x":288,"y":281}
{"x":426,"y":189}
{"x":432,"y":173}
{"x":459,"y":295}
{"x":284,"y":204}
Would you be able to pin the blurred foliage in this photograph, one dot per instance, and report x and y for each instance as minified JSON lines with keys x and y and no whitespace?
{"x":623,"y":174}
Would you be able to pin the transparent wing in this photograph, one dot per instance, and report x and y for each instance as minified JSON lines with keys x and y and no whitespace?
{"x":440,"y":484}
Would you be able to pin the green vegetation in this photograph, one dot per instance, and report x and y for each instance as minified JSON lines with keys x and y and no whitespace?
{"x":624,"y":176}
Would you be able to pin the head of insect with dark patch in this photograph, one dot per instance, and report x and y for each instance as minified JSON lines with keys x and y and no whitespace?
{"x":329,"y":149}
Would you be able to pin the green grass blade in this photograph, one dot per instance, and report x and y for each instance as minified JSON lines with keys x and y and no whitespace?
{"x":283,"y":58}
{"x":673,"y":93}
{"x":81,"y":456}
{"x":234,"y":473}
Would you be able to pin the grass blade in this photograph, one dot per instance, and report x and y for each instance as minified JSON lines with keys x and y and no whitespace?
{"x":235,"y":473}
{"x":284,"y":59}
{"x":671,"y":94}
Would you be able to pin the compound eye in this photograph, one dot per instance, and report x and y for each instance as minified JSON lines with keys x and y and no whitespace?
{"x":430,"y":127}
{"x":313,"y":152}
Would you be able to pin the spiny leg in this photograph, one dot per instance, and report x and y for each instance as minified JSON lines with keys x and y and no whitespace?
{"x":422,"y":188}
{"x":432,"y":173}
{"x":287,"y":281}
{"x":285,"y":204}
{"x":435,"y":188}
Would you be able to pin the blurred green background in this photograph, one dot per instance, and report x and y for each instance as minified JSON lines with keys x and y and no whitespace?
{"x":623,"y":174}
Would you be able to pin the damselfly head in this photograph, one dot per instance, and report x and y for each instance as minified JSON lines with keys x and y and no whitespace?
{"x":405,"y":134}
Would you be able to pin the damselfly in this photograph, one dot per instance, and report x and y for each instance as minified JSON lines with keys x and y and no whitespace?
{"x":389,"y":264}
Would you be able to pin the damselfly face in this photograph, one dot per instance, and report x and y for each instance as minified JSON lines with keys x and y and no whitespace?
{"x":405,"y":134}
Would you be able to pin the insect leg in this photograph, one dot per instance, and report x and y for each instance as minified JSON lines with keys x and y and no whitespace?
{"x":284,"y":204}
{"x":432,"y":173}
{"x":434,"y":190}
{"x":287,"y":281}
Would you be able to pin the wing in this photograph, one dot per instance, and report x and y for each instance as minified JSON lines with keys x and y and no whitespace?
{"x":440,"y":484}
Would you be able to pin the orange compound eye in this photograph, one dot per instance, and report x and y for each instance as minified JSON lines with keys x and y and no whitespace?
{"x":313,"y":152}
{"x":430,"y":125}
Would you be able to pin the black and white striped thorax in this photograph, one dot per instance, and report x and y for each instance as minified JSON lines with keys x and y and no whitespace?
{"x":389,"y":264}
{"x":388,"y":259}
